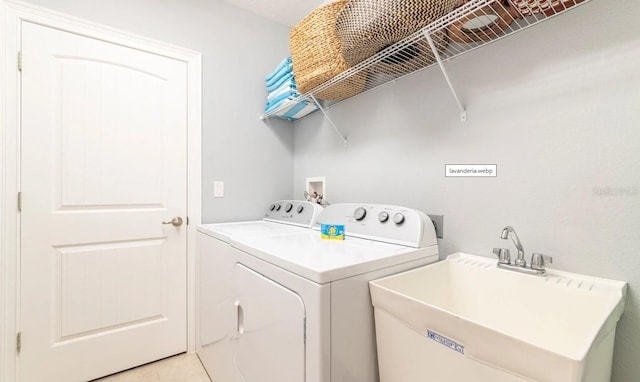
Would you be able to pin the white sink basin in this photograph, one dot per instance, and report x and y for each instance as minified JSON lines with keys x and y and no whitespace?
{"x":555,"y":328}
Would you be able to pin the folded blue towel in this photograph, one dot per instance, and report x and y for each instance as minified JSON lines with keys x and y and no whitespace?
{"x":292,"y":110}
{"x":276,"y":102}
{"x":283,"y":97}
{"x":286,"y":62}
{"x":286,"y":88}
{"x":281,"y":81}
{"x":289,"y":82}
{"x":300,"y":110}
{"x":281,"y":73}
{"x":270,"y":106}
{"x":279,"y":100}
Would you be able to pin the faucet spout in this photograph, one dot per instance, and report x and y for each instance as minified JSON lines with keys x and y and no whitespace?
{"x":519,"y":261}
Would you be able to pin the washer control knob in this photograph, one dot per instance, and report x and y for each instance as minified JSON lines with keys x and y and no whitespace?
{"x":278,"y":207}
{"x":383,"y":216}
{"x":299,"y":209}
{"x":272,"y":207}
{"x":398,"y":218}
{"x":288,"y":207}
{"x":359,"y":213}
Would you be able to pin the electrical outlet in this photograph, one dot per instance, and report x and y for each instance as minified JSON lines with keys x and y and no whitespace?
{"x":438,"y":223}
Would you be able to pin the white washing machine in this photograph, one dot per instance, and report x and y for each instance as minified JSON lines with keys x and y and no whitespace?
{"x":300,"y":308}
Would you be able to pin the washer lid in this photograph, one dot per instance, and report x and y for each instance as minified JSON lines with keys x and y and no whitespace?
{"x":306,"y":254}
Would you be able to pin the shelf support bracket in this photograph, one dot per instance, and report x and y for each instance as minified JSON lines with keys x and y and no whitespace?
{"x":344,"y":139}
{"x":463,"y":112}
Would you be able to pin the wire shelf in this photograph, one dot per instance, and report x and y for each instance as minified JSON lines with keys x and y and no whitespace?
{"x":468,"y":27}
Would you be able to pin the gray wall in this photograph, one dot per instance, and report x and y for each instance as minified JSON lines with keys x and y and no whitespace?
{"x":556,"y":107}
{"x":238,"y":49}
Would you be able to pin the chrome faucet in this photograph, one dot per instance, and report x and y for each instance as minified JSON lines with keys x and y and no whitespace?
{"x":538,"y":261}
{"x":519,"y":261}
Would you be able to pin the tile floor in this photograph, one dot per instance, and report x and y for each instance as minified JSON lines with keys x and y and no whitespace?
{"x":179,"y":368}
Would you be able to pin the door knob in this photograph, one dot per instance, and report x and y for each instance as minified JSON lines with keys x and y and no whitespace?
{"x":176,"y":222}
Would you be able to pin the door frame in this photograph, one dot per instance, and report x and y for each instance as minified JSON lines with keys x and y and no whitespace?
{"x":12,"y":14}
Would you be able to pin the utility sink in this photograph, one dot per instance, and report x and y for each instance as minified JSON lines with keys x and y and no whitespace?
{"x":463,"y":319}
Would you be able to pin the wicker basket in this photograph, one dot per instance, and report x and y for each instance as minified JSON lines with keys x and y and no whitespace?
{"x":317,"y":56}
{"x":366,"y":27}
{"x":459,"y":31}
{"x":548,"y":7}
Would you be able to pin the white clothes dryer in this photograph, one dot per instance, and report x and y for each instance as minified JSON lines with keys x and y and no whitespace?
{"x":300,"y":307}
{"x":214,"y":307}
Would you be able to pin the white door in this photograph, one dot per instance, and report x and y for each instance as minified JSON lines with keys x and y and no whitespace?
{"x":103,"y":281}
{"x":269,"y":340}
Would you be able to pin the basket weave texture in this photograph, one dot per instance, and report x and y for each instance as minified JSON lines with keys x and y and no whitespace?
{"x":316,"y":55}
{"x":548,"y":7}
{"x":366,"y":27}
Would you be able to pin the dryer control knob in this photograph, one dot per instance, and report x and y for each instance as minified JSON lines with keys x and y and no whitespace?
{"x":288,"y":207}
{"x":272,"y":207}
{"x":278,"y":207}
{"x":300,"y":208}
{"x":398,"y":218}
{"x":383,"y":216}
{"x":359,"y":213}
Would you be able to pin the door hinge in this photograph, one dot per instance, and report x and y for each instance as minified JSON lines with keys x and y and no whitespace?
{"x":20,"y":60}
{"x":19,"y":342}
{"x":19,"y":201}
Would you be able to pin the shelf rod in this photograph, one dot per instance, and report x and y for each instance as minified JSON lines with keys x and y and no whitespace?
{"x":463,"y":115}
{"x":344,"y":139}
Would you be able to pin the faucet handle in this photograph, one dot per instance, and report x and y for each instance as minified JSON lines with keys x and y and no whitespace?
{"x":538,"y":261}
{"x":504,"y":257}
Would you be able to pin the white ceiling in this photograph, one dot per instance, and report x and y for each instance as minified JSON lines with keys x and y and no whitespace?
{"x":285,"y":12}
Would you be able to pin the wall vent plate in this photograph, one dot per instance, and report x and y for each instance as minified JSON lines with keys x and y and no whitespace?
{"x":316,"y":187}
{"x":438,"y":223}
